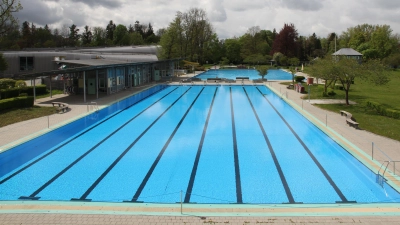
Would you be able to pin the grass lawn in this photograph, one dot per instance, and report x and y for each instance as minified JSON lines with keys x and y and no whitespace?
{"x":360,"y":92}
{"x":11,"y":116}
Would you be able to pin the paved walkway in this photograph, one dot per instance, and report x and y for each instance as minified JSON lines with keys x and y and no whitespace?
{"x":359,"y":141}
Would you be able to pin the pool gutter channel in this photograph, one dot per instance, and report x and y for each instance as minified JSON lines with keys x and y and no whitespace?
{"x":352,"y":149}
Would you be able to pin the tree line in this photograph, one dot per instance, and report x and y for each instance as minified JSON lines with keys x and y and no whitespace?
{"x":30,"y":36}
{"x":191,"y":35}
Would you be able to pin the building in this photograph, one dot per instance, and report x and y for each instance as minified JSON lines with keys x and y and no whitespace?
{"x":90,"y":70}
{"x":349,"y":53}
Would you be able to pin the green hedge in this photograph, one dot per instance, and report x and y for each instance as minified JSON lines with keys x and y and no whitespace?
{"x":383,"y":110}
{"x":19,"y":102}
{"x":15,"y":92}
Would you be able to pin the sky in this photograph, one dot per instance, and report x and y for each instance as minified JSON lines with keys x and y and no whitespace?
{"x":229,"y":18}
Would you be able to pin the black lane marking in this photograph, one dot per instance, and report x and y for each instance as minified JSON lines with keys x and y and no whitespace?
{"x":235,"y":154}
{"x":86,"y":153}
{"x":196,"y":161}
{"x":90,"y":189}
{"x":271,"y":150}
{"x":47,"y":154}
{"x":331,"y":182}
{"x":153,"y":166}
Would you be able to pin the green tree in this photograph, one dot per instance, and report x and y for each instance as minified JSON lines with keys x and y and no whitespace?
{"x":233,"y":47}
{"x":188,"y":36}
{"x":87,"y":36}
{"x":7,"y":20}
{"x":346,"y":70}
{"x":136,"y":39}
{"x":119,"y":33}
{"x":73,"y":35}
{"x":3,"y":63}
{"x":262,"y":71}
{"x":99,"y":36}
{"x":110,"y":30}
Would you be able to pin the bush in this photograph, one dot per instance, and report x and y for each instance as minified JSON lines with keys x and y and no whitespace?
{"x":9,"y":93}
{"x":15,"y":92}
{"x":19,"y":102}
{"x":6,"y":83}
{"x":20,"y":83}
{"x":299,"y":78}
{"x":380,"y":109}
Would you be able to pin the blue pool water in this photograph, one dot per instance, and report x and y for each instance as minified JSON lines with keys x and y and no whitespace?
{"x":216,"y":144}
{"x":251,"y":73}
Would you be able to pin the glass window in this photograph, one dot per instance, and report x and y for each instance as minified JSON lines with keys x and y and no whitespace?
{"x":26,"y":63}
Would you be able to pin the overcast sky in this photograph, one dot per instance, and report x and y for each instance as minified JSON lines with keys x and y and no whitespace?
{"x":229,"y":17}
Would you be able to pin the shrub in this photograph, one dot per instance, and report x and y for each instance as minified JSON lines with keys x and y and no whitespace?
{"x":20,"y":83}
{"x":19,"y":102}
{"x":15,"y":92}
{"x":331,"y":92}
{"x":299,"y":78}
{"x":380,"y":109}
{"x":6,"y":83}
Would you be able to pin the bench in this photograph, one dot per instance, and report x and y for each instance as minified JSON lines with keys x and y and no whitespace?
{"x":216,"y":80}
{"x":347,"y":114}
{"x":352,"y":123}
{"x":60,"y":106}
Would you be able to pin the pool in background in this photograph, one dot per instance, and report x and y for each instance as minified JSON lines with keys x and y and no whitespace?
{"x":218,"y":144}
{"x":251,"y":73}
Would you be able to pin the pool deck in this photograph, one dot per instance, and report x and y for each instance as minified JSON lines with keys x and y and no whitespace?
{"x":357,"y":141}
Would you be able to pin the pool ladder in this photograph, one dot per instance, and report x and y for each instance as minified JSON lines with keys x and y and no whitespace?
{"x":380,"y":178}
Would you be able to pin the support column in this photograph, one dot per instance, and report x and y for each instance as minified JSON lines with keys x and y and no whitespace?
{"x":97,"y":84}
{"x":84,"y":86}
{"x":51,"y":93}
{"x":34,"y":90}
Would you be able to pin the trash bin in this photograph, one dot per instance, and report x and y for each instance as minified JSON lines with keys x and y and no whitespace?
{"x":310,"y":80}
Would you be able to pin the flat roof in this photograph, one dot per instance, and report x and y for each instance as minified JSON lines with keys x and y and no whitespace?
{"x":93,"y":67}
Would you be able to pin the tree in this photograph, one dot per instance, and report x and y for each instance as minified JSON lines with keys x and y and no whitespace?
{"x":73,"y":35}
{"x":233,"y":47}
{"x":119,"y":33}
{"x":188,"y":36}
{"x":3,"y":63}
{"x":110,"y":30}
{"x":136,"y":39}
{"x":346,"y":70}
{"x":262,"y":71}
{"x":87,"y":36}
{"x":7,"y":20}
{"x":286,"y":41}
{"x":99,"y":36}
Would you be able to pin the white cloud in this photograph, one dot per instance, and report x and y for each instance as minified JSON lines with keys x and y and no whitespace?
{"x":229,"y":17}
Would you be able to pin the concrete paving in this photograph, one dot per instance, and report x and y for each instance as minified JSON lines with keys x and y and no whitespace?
{"x":357,"y":141}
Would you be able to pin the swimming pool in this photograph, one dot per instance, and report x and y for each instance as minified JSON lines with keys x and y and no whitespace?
{"x":251,"y":73}
{"x":217,"y":144}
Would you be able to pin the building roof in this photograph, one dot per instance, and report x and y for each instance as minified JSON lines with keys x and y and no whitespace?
{"x":348,"y":52}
